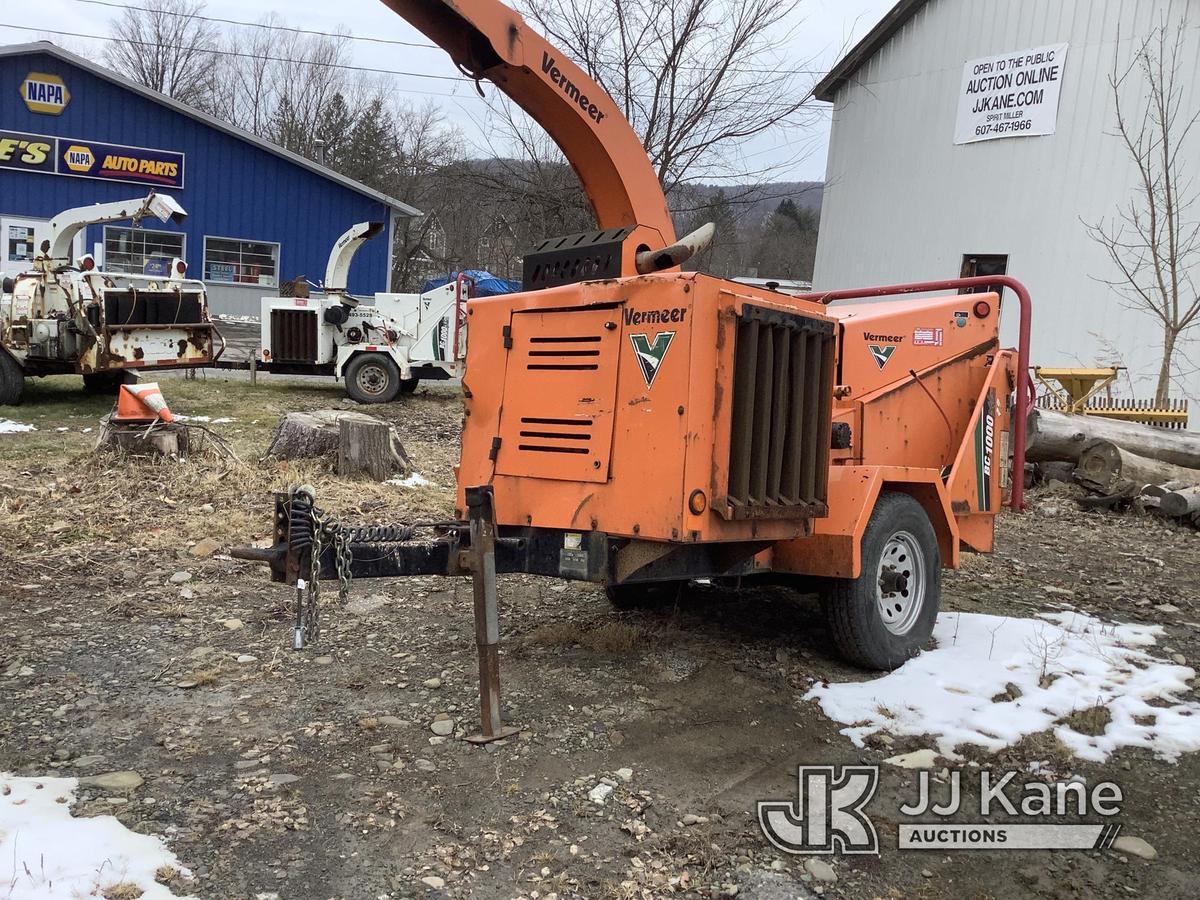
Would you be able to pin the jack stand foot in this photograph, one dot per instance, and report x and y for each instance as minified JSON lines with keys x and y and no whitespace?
{"x":505,"y":731}
{"x":480,"y":502}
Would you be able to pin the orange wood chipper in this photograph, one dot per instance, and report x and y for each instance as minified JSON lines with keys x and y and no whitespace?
{"x":632,"y":425}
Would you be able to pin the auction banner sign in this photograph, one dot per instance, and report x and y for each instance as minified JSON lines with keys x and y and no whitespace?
{"x":90,"y":159}
{"x":1010,"y":95}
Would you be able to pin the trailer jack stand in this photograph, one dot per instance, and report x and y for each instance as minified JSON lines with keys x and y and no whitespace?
{"x":481,"y":560}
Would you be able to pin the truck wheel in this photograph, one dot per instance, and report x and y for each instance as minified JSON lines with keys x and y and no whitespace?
{"x":12,"y":380}
{"x":408,"y":385}
{"x":643,"y":596}
{"x":886,"y":615}
{"x":372,"y":378}
{"x":106,"y":383}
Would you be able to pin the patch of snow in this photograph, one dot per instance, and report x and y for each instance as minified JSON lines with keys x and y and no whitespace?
{"x":208,"y":420}
{"x":1059,"y":663}
{"x":233,"y":318}
{"x":8,"y":426}
{"x":46,"y":854}
{"x":416,"y":479}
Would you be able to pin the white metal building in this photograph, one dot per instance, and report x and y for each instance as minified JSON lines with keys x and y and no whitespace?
{"x":934,"y":170}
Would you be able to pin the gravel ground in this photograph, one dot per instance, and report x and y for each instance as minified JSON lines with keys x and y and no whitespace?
{"x":133,"y":643}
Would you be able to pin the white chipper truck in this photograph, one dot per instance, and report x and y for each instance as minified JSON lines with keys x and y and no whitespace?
{"x":65,"y":316}
{"x":381,"y":350}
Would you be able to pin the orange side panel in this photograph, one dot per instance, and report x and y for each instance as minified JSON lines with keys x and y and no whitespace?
{"x":979,"y":479}
{"x":559,"y":390}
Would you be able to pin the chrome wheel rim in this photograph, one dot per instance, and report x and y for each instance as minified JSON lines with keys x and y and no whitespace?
{"x":900,"y":583}
{"x":372,"y":380}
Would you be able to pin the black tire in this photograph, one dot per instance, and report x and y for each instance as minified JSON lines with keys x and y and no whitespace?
{"x":107,"y":383}
{"x":408,"y":385}
{"x":12,"y":380}
{"x":372,"y":378}
{"x":878,"y":620}
{"x":646,"y":595}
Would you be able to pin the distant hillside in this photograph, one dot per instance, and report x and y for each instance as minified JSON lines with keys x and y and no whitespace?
{"x":756,"y":201}
{"x":752,"y":201}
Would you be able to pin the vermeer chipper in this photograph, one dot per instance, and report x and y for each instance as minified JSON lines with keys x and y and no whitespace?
{"x":638,"y":427}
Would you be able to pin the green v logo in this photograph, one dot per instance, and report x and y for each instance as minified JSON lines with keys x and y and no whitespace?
{"x":881,"y":355}
{"x":650,"y":355}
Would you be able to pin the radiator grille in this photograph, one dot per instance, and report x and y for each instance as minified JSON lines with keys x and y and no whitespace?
{"x":782,"y":405}
{"x":294,"y":335}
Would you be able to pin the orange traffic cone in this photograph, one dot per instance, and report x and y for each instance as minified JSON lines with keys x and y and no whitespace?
{"x":141,"y":403}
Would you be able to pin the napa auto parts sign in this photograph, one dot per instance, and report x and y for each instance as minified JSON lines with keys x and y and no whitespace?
{"x":1010,"y":95}
{"x":90,"y":159}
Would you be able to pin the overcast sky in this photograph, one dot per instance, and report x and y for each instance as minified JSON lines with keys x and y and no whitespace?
{"x":824,"y":29}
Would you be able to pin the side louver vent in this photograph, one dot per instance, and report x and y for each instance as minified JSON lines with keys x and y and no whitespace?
{"x":555,"y":435}
{"x":580,"y":353}
{"x":782,"y":405}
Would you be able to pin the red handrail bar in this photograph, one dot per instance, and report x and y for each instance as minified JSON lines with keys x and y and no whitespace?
{"x":1017,"y":500}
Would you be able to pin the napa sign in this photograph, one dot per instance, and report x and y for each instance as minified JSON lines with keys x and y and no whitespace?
{"x":44,"y":93}
{"x":90,"y":159}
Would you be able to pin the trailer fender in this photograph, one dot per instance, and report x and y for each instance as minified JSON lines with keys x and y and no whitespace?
{"x":834,"y":549}
{"x":346,"y":354}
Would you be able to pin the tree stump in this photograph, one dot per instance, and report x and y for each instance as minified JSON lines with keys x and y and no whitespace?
{"x":362,"y":443}
{"x":372,"y":448}
{"x":162,"y":440}
{"x":304,"y":435}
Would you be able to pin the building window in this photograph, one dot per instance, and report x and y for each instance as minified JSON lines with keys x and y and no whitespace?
{"x":140,"y":251}
{"x":241,"y":262}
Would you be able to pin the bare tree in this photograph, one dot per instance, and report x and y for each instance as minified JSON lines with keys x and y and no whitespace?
{"x":165,"y":46}
{"x":696,"y":79}
{"x":1154,"y":240}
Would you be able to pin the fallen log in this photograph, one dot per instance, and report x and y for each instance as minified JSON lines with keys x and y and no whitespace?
{"x":1181,"y":503}
{"x":1054,"y":435}
{"x":1111,"y":469}
{"x":1161,"y":490}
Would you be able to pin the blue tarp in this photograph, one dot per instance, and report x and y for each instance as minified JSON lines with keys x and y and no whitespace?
{"x":486,"y":284}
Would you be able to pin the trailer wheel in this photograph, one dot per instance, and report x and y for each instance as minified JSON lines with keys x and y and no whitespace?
{"x":886,"y":615}
{"x":12,"y":380}
{"x":107,"y":383}
{"x":408,"y":385}
{"x":643,"y":596}
{"x":372,"y":378}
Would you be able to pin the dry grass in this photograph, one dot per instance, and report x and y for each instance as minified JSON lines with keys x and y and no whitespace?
{"x":205,"y":677}
{"x":165,"y":874}
{"x":124,"y":890}
{"x":1091,"y":721}
{"x":59,"y":498}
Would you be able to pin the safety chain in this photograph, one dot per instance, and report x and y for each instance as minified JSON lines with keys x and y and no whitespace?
{"x":324,"y":529}
{"x":313,"y":528}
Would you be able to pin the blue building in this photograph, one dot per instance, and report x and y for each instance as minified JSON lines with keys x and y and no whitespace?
{"x":73,"y":133}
